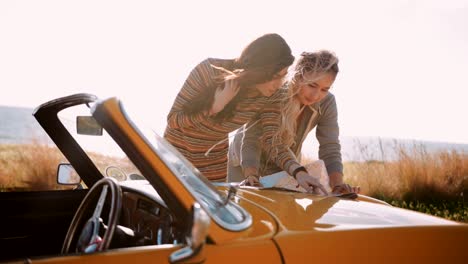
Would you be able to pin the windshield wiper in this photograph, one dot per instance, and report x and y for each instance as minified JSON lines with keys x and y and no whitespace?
{"x":220,"y":203}
{"x":231,"y":193}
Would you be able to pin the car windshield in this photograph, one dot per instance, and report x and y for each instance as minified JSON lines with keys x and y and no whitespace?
{"x":112,"y":161}
{"x":225,"y":213}
{"x":102,"y":150}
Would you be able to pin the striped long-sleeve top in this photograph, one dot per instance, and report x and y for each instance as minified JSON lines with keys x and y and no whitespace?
{"x":193,"y":134}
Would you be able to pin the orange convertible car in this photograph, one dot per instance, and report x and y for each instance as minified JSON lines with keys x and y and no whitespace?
{"x":134,"y":199}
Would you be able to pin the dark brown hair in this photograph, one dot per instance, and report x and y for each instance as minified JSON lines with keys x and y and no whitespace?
{"x":258,"y":63}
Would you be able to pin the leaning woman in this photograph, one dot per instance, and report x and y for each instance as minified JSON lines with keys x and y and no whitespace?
{"x":274,"y":144}
{"x":221,"y":95}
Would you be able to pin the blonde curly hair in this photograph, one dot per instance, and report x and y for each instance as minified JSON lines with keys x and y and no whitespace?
{"x":315,"y":65}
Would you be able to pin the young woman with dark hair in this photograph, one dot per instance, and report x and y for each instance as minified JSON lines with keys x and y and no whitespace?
{"x":221,"y":95}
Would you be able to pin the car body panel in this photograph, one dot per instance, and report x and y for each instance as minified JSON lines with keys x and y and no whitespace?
{"x":422,"y":244}
{"x":302,"y":211}
{"x":243,"y":252}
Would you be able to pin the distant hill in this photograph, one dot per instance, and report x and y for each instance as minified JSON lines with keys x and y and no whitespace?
{"x":18,"y":126}
{"x":374,"y":148}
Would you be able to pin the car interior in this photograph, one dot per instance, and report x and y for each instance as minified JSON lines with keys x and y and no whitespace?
{"x":38,"y":223}
{"x":35,"y":223}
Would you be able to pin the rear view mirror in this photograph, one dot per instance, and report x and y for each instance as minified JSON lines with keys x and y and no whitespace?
{"x":67,"y":175}
{"x":87,"y":125}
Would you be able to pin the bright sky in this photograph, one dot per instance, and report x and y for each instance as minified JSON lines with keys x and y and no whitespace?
{"x":402,"y":63}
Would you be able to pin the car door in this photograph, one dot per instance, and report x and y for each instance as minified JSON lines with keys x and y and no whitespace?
{"x":36,"y":221}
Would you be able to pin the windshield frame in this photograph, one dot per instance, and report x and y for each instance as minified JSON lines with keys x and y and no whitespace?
{"x":47,"y":116}
{"x":144,"y":152}
{"x":180,"y":167}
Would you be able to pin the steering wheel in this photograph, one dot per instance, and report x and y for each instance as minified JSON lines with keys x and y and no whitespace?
{"x":89,"y":240}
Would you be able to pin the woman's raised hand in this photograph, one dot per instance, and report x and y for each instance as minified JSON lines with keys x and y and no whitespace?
{"x":224,"y":95}
{"x":310,"y":183}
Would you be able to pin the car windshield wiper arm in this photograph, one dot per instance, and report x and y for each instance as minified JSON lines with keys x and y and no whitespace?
{"x":231,"y":193}
{"x":220,"y":203}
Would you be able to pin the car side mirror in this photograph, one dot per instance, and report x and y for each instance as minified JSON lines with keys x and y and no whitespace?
{"x":194,"y":251}
{"x":87,"y":125}
{"x":67,"y":175}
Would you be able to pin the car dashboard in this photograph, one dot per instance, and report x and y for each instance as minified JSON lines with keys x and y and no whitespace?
{"x":146,"y":216}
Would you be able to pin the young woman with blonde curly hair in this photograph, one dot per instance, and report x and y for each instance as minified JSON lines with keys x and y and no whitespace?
{"x":274,"y":143}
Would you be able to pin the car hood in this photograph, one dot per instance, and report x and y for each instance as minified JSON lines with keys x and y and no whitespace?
{"x":300,"y":211}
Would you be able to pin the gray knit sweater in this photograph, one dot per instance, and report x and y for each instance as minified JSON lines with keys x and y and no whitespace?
{"x":246,"y":148}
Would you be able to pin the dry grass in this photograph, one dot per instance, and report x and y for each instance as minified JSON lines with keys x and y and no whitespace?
{"x":430,"y":182}
{"x":33,"y":167}
{"x":29,"y":166}
{"x":434,"y":183}
{"x":414,"y":175}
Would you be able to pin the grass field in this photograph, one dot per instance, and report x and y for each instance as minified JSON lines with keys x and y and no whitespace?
{"x":29,"y":167}
{"x":34,"y":166}
{"x":434,"y":183}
